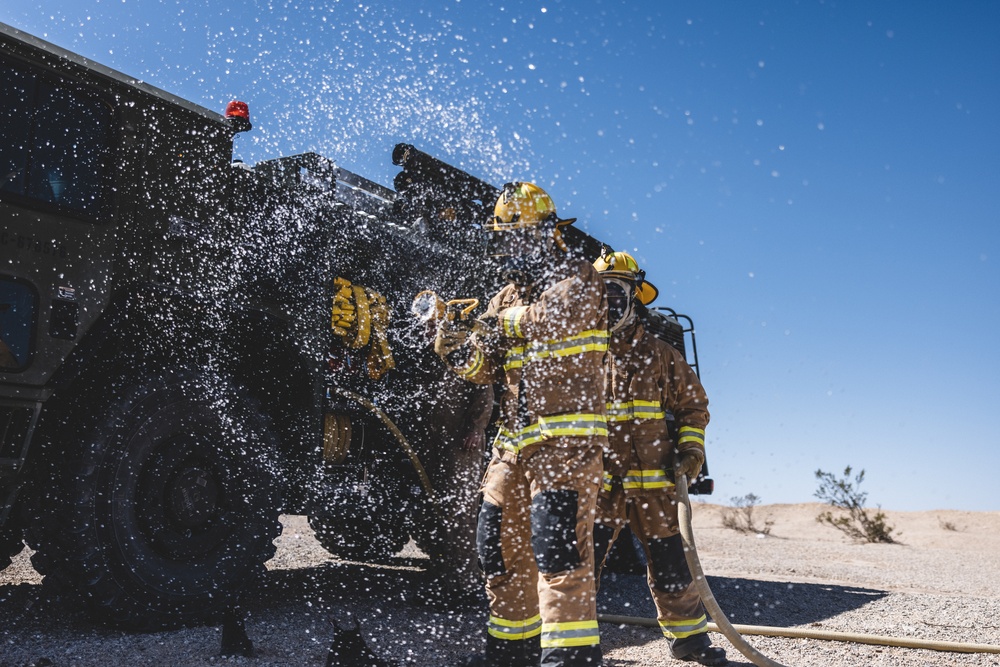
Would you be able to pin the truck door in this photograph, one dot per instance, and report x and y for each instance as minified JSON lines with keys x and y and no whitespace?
{"x":55,"y":211}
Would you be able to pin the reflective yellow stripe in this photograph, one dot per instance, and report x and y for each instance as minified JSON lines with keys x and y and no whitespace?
{"x":684,"y":627}
{"x":584,"y":424}
{"x":691,"y":434}
{"x":606,"y":480}
{"x":473,"y":365}
{"x":619,"y":411}
{"x":573,"y":633}
{"x":589,"y":341}
{"x":648,"y":410}
{"x":646,"y":479}
{"x":512,"y":321}
{"x":501,"y":628}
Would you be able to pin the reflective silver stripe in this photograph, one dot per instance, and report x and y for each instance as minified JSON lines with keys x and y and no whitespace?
{"x":691,"y":434}
{"x":648,"y":410}
{"x":473,"y":365}
{"x":573,"y":633}
{"x":685,"y":628}
{"x":646,"y":479}
{"x":584,"y":424}
{"x":618,"y":412}
{"x":588,"y":341}
{"x":635,"y":409}
{"x":512,"y":630}
{"x":512,"y":321}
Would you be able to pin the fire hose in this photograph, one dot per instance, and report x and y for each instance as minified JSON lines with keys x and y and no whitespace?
{"x":404,"y":444}
{"x":734,"y":633}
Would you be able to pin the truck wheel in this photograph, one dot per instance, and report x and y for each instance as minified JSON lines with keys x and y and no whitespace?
{"x":171,"y":503}
{"x":354,"y":538}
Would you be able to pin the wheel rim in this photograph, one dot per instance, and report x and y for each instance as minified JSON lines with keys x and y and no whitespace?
{"x":181,"y":501}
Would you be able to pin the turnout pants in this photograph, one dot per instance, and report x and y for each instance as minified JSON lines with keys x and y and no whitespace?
{"x":535,"y":542}
{"x":653,"y":520}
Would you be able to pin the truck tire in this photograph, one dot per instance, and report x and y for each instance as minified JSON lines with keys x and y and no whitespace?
{"x":169,"y":497}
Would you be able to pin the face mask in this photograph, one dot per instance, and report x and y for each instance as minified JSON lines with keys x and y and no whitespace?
{"x":621,"y":304}
{"x":520,"y":253}
{"x":519,"y":242}
{"x":522,"y":271}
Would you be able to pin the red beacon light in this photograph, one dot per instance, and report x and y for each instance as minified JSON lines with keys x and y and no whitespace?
{"x":238,"y":115}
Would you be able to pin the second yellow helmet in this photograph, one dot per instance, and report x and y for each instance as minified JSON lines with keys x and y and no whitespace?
{"x":623,"y":265}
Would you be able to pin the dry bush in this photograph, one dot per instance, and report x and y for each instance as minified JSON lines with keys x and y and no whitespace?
{"x":846,"y":495}
{"x":740,"y":517}
{"x":947,"y":525}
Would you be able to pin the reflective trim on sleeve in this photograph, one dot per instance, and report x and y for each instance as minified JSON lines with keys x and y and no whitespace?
{"x":691,"y":434}
{"x":684,"y":627}
{"x":502,"y":628}
{"x":471,"y":367}
{"x":620,"y":411}
{"x":512,"y":321}
{"x":573,"y":424}
{"x":573,"y":633}
{"x":589,"y":341}
{"x":646,"y":479}
{"x":606,"y":481}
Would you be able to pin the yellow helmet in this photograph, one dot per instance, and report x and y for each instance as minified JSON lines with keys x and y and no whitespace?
{"x":623,"y":266}
{"x":526,"y":206}
{"x":522,"y":205}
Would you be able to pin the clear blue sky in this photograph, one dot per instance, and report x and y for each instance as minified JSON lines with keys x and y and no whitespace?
{"x":816,"y":183}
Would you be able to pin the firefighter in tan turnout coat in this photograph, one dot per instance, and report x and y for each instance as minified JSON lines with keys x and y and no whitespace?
{"x":544,"y":336}
{"x":657,"y":414}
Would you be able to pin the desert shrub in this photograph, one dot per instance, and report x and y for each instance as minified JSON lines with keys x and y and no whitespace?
{"x":845,"y":494}
{"x":740,"y":517}
{"x":947,"y":525}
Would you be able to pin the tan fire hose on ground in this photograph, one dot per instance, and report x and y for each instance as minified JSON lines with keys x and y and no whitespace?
{"x":734,"y":632}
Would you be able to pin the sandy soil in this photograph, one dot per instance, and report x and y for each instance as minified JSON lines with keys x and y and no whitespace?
{"x":940,"y":582}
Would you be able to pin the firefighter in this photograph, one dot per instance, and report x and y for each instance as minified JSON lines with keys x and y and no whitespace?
{"x":657,"y":413}
{"x":544,"y":337}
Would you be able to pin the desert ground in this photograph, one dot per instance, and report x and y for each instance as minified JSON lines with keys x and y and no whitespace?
{"x":940,"y":582}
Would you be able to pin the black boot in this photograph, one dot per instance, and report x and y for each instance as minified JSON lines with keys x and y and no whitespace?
{"x":698,"y":648}
{"x":506,"y":653}
{"x":574,"y":656}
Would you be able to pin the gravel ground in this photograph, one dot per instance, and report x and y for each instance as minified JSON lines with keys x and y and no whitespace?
{"x":942,"y":582}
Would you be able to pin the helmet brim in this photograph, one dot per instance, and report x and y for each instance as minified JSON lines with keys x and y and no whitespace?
{"x":647,"y":293}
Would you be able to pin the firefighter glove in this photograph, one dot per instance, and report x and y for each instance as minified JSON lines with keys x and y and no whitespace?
{"x":451,"y":335}
{"x":486,"y":326}
{"x":689,"y":463}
